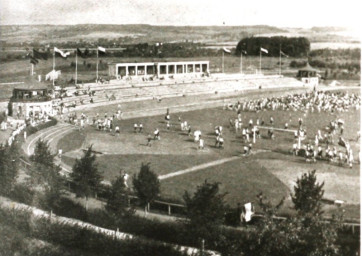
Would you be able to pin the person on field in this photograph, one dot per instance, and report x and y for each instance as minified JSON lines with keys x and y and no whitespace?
{"x":157,"y":134}
{"x":201,"y":143}
{"x":149,"y":139}
{"x":135,"y":127}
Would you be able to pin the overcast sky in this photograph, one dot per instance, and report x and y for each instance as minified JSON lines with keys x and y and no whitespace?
{"x":282,"y":13}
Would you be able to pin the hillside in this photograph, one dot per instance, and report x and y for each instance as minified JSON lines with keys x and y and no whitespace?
{"x":14,"y":35}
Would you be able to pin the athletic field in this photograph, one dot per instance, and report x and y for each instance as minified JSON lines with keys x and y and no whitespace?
{"x":270,"y":169}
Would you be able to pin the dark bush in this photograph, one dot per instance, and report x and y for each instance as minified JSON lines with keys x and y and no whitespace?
{"x":75,"y":237}
{"x":33,"y":129}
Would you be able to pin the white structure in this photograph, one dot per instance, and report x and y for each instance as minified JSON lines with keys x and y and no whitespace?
{"x":31,"y":99}
{"x":158,"y":69}
{"x":308,"y":76}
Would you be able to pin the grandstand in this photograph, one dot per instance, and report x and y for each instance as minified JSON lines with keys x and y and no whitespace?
{"x":124,"y":91}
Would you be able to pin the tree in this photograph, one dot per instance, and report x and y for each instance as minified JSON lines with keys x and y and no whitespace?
{"x":303,"y":234}
{"x":118,"y":200}
{"x":308,"y":194}
{"x":146,"y":184}
{"x":86,"y":176}
{"x":9,"y":165}
{"x":205,"y":210}
{"x":42,"y":154}
{"x":45,"y":174}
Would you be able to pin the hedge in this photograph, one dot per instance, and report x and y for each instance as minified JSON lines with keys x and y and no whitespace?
{"x":33,"y":129}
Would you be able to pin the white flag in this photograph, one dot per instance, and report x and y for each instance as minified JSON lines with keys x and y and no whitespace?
{"x":226,"y":50}
{"x":52,"y":75}
{"x":101,"y":49}
{"x":263,"y":50}
{"x":61,"y":53}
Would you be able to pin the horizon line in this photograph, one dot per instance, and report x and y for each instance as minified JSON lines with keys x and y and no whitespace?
{"x":171,"y":25}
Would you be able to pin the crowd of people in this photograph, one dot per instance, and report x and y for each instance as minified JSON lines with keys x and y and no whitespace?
{"x":332,"y":102}
{"x":308,"y":101}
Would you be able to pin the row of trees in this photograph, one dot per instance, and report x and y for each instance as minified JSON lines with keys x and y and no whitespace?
{"x":291,"y":46}
{"x":146,"y":50}
{"x":349,"y":53}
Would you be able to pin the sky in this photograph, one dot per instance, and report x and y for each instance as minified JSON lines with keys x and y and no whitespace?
{"x":281,"y":13}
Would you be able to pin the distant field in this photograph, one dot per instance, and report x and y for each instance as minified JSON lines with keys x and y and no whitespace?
{"x":334,"y":45}
{"x":272,"y":173}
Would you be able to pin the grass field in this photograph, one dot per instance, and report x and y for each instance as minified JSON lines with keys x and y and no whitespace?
{"x":272,"y":173}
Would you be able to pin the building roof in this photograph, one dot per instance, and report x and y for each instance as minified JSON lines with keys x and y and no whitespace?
{"x":32,"y":84}
{"x":308,"y":68}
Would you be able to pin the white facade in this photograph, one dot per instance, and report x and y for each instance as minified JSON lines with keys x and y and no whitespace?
{"x":158,"y":69}
{"x":310,"y":81}
{"x":24,"y":108}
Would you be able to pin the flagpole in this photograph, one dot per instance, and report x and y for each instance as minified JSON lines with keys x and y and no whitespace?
{"x":260,"y":62}
{"x":241,"y":62}
{"x":280,"y":60}
{"x":97,"y":65}
{"x":53,"y":66}
{"x":222,"y":65}
{"x":32,"y":69}
{"x":76,"y":66}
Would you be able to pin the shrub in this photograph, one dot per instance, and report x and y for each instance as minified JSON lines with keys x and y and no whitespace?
{"x":33,"y":129}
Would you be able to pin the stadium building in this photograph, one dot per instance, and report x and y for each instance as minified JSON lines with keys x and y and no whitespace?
{"x":30,"y":99}
{"x":159,"y":69}
{"x":308,"y":75}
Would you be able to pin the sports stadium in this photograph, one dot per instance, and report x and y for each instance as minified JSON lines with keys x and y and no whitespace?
{"x":190,"y":125}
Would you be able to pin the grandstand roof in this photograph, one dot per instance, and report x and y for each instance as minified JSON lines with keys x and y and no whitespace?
{"x":32,"y":84}
{"x":308,"y":68}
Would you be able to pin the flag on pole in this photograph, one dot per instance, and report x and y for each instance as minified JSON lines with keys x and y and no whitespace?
{"x":226,"y":50}
{"x":86,"y":52}
{"x":61,"y":53}
{"x":33,"y":60}
{"x":40,"y":55}
{"x":81,"y":54}
{"x":52,"y":75}
{"x":263,"y":50}
{"x":101,"y":50}
{"x":283,"y":54}
{"x":244,"y":52}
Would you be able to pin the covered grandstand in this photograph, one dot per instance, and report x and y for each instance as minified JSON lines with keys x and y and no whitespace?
{"x":158,"y":69}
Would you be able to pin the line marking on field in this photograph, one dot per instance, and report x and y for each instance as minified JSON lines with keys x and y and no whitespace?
{"x":198,"y":167}
{"x":65,"y":131}
{"x":41,"y":133}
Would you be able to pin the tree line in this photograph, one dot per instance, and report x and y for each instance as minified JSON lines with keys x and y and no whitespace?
{"x":291,"y":46}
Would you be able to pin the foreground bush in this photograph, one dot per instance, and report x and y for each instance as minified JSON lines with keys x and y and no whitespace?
{"x":33,"y":129}
{"x":79,"y":238}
